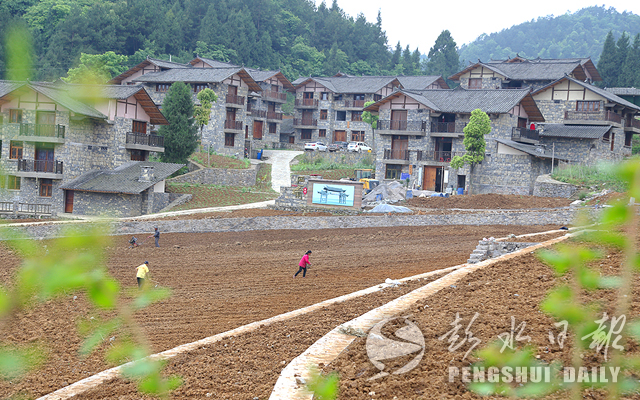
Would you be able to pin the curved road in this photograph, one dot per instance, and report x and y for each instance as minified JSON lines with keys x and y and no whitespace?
{"x":280,"y":171}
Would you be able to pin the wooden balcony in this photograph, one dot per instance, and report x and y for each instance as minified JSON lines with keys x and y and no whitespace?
{"x":259,"y":113}
{"x":359,"y":104}
{"x":438,"y":156}
{"x":276,"y":116}
{"x":632,"y":125}
{"x":305,"y":123}
{"x":306,"y":103}
{"x":44,"y":133}
{"x":391,"y":127}
{"x":525,"y":135}
{"x":46,"y":169}
{"x":395,"y":154}
{"x":607,"y":117}
{"x":142,"y":141}
{"x":446,"y":129}
{"x":270,"y":95}
{"x":232,"y":126}
{"x":235,"y":101}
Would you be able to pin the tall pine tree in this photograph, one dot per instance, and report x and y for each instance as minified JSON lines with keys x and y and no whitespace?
{"x":606,"y":64}
{"x":622,"y":49}
{"x":443,"y":57}
{"x":180,"y":138}
{"x":631,"y":67}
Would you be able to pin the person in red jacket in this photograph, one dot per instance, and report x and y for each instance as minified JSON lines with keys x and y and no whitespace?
{"x":303,"y":264}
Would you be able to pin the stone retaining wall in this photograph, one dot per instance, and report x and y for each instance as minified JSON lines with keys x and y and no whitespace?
{"x":558,"y":217}
{"x":219,"y":176}
{"x":340,"y":157}
{"x":545,"y":186}
{"x":487,"y":249}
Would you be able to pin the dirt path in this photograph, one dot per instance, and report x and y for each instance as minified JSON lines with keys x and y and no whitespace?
{"x":223,"y":280}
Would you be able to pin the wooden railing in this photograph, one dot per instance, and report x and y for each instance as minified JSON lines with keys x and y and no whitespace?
{"x":270,"y":94}
{"x":633,"y":123}
{"x":145,"y":140}
{"x":395,"y":154}
{"x":607,"y":115}
{"x":440,"y":156}
{"x":411,"y":126}
{"x":28,"y":208}
{"x":306,"y":103}
{"x":274,"y":115}
{"x":235,"y":99}
{"x":305,"y":121}
{"x":232,"y":124}
{"x":354,"y":103}
{"x":518,"y":134}
{"x":45,"y":166}
{"x":6,"y":207}
{"x":43,"y":130}
{"x":259,"y":113}
{"x":443,"y":127}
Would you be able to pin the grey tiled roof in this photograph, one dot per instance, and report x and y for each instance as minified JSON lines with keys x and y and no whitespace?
{"x":215,"y":63}
{"x":192,"y":75}
{"x":528,"y":148}
{"x":7,"y":87}
{"x":464,"y":101}
{"x":60,"y":96}
{"x":534,"y":71}
{"x":124,"y":179}
{"x":418,"y":82}
{"x":354,"y":84}
{"x":621,"y":91}
{"x":602,"y":92}
{"x":573,"y":131}
{"x":167,"y":64}
{"x":299,"y":80}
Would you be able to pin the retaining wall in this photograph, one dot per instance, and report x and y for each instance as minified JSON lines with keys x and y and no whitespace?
{"x":219,"y":176}
{"x":545,"y":186}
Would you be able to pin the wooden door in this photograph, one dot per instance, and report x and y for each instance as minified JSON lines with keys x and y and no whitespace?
{"x":233,"y":90}
{"x":68,"y":201}
{"x":339,"y":136}
{"x":257,"y":129}
{"x":292,"y":139}
{"x":399,"y":120}
{"x":46,"y":123}
{"x":429,"y":178}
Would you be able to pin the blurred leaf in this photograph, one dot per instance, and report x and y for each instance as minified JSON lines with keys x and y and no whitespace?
{"x":19,"y":51}
{"x":324,"y":387}
{"x":5,"y":302}
{"x":142,"y":367}
{"x":609,"y":282}
{"x":104,"y":292}
{"x":15,"y":362}
{"x":101,"y":334}
{"x":588,"y":278}
{"x":151,"y":295}
{"x":616,"y":215}
{"x":151,"y":383}
{"x":634,"y":329}
{"x":560,"y":303}
{"x":124,"y":351}
{"x":483,"y":388}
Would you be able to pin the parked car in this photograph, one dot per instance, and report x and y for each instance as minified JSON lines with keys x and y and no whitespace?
{"x":358,"y":147}
{"x":337,"y":146}
{"x":317,"y":146}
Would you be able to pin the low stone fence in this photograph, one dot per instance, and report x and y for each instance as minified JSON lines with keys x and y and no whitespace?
{"x":487,"y":249}
{"x":545,"y":186}
{"x":218,"y":176}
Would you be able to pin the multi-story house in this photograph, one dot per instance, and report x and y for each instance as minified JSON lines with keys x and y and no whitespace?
{"x":520,"y":73}
{"x":420,"y":131}
{"x":330,"y":108}
{"x":249,"y":106}
{"x":54,"y":133}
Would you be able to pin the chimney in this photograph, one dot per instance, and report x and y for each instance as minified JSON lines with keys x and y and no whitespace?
{"x":146,"y":174}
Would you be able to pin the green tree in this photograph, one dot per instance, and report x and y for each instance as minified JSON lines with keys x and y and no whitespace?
{"x":203,"y":111}
{"x":97,"y":68}
{"x":606,"y":64}
{"x":474,"y":143}
{"x":180,"y":139}
{"x":443,"y":57}
{"x":631,"y":67}
{"x":622,"y":50}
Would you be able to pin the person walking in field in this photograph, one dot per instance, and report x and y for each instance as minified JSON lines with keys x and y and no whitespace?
{"x":303,"y":264}
{"x":142,"y":272}
{"x":156,"y":236}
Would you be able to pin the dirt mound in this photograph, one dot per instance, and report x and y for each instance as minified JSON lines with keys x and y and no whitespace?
{"x":489,"y":202}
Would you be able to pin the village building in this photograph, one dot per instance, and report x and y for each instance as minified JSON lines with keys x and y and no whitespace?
{"x":54,"y":133}
{"x":248,"y":112}
{"x":329,"y":109}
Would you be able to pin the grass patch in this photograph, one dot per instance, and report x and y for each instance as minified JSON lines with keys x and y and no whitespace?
{"x":219,"y":196}
{"x":220,"y":161}
{"x":600,"y":176}
{"x":306,"y":162}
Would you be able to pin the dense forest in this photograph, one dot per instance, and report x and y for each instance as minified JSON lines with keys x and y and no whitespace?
{"x":579,"y":34}
{"x":294,"y":36}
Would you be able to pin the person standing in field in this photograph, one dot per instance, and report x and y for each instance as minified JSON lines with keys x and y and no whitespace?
{"x":303,"y":264}
{"x":142,"y":272}
{"x":156,"y":236}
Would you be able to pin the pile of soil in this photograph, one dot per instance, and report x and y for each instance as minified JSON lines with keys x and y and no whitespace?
{"x":489,"y":202}
{"x":221,"y":281}
{"x":513,"y":288}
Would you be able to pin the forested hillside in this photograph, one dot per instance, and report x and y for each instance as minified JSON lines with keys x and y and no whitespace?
{"x":292,"y":35}
{"x":581,"y":34}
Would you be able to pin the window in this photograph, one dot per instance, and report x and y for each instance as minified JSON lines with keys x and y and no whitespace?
{"x":308,"y":95}
{"x":197,"y":87}
{"x":322,"y":133}
{"x":13,"y":182}
{"x":324,"y":96}
{"x":337,"y":97}
{"x":588,"y":106}
{"x":162,"y":87}
{"x":606,"y":137}
{"x":45,"y":187}
{"x":305,"y":134}
{"x":357,"y":136}
{"x":15,"y":150}
{"x":139,"y":127}
{"x":377,"y":97}
{"x":356,"y":115}
{"x":358,"y":96}
{"x":627,"y":139}
{"x":138,"y":155}
{"x":475,"y":83}
{"x":393,"y":171}
{"x":229,"y":139}
{"x":273,"y":127}
{"x":15,"y":116}
{"x":341,"y":115}
{"x":323,"y":114}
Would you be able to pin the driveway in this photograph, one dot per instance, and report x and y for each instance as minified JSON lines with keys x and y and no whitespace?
{"x":280,"y":171}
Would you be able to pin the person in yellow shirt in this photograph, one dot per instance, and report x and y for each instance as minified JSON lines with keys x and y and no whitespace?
{"x":141,"y":276}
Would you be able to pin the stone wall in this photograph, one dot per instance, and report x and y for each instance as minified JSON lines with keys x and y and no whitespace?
{"x":487,"y":249}
{"x":340,"y":157}
{"x":220,"y":176}
{"x":545,"y":186}
{"x":115,"y":205}
{"x":508,"y":174}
